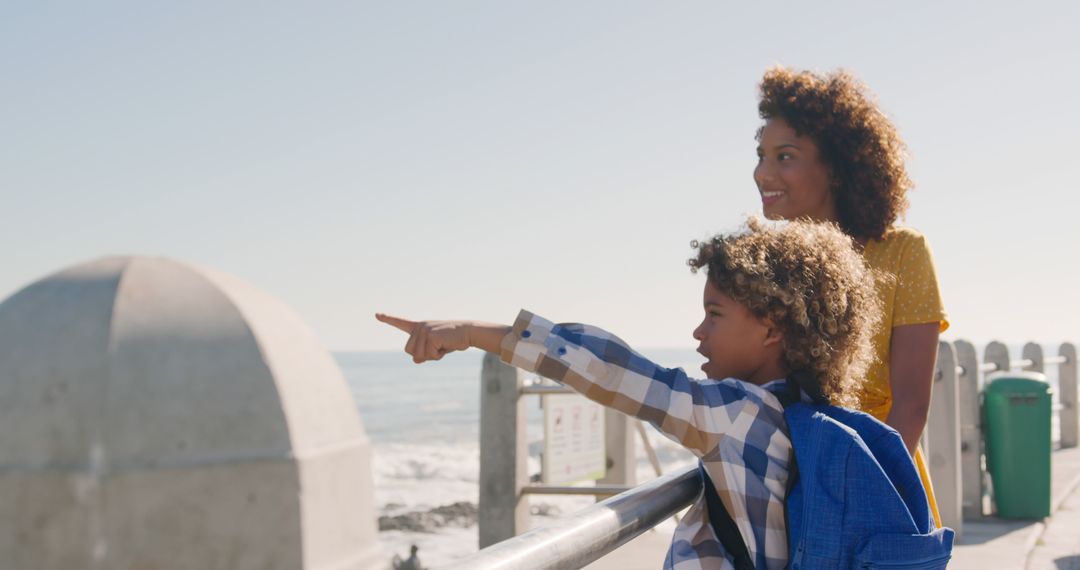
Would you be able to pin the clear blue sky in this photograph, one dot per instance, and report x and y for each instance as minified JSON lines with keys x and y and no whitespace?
{"x":465,"y":159}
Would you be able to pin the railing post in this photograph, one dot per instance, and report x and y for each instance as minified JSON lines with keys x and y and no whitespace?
{"x":943,"y":427}
{"x":997,"y":353}
{"x":1034,"y":353}
{"x":504,"y":510}
{"x":1067,"y":384}
{"x":970,"y":430}
{"x":620,"y":450}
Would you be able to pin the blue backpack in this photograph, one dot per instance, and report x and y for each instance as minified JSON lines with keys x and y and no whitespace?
{"x":855,"y":499}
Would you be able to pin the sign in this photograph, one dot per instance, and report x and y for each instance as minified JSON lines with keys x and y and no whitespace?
{"x":573,"y":439}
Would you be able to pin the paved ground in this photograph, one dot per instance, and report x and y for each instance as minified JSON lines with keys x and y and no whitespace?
{"x":993,"y":543}
{"x":1058,"y":547}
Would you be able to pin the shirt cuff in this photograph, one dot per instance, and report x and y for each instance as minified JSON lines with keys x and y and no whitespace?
{"x":524,"y":345}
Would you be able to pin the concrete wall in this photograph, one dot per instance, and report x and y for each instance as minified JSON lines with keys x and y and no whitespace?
{"x":160,"y":415}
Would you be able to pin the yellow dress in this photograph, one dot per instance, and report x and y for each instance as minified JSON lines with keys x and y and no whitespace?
{"x":909,"y":295}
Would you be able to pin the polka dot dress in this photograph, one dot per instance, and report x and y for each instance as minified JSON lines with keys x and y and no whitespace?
{"x":909,"y":294}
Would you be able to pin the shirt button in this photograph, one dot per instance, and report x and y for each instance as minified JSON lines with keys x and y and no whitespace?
{"x":561,"y":351}
{"x":526,"y":334}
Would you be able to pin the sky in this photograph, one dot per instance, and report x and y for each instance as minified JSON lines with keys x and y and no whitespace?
{"x":466,"y":159}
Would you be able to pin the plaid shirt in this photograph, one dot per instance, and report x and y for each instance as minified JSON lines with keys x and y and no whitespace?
{"x":737,"y":429}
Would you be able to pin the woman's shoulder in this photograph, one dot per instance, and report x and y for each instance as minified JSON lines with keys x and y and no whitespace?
{"x":902,"y":234}
{"x":899,"y":238}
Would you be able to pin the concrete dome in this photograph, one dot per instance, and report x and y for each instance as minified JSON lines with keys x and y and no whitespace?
{"x":161,"y":415}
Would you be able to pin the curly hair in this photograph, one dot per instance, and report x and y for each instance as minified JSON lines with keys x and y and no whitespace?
{"x":809,"y":281}
{"x":856,"y":141}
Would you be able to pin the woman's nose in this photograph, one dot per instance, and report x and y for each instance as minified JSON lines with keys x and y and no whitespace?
{"x":762,"y":172}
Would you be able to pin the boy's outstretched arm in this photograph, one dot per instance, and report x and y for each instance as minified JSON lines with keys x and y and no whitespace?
{"x":431,"y":340}
{"x":600,"y":366}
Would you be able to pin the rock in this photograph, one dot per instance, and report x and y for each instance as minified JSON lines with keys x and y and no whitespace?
{"x":463,"y":514}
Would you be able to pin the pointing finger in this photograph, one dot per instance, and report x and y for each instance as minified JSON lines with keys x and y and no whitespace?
{"x":403,"y":325}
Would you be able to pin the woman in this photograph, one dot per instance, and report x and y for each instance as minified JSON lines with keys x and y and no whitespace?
{"x":827,"y":152}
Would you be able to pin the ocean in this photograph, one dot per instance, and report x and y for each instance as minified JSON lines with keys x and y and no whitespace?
{"x":424,"y":425}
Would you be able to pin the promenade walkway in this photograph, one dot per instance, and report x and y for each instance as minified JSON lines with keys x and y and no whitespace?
{"x":1053,"y":543}
{"x":987,"y":544}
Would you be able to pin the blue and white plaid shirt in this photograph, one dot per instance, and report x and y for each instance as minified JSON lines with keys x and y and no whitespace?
{"x":736,"y":428}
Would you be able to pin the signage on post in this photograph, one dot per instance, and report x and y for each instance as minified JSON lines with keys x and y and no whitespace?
{"x":573,"y":439}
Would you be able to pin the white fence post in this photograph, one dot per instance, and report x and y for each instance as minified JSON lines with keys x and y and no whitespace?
{"x":619,"y":449}
{"x":1067,"y":383}
{"x":997,"y":353}
{"x":970,"y":430}
{"x":1034,"y":353}
{"x":504,"y":510}
{"x":943,"y":427}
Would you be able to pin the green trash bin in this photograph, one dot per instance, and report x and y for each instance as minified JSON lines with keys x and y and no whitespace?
{"x":1016,"y":413}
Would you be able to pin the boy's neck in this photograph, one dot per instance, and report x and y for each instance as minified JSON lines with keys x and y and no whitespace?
{"x":768,"y":372}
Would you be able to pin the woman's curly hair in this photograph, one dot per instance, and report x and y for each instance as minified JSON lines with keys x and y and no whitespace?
{"x":808,"y":280}
{"x":856,"y":142}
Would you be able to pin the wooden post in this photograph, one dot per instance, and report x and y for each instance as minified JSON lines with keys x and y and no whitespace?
{"x":1067,"y":384}
{"x":971,"y":440}
{"x":620,"y":449}
{"x":504,"y":510}
{"x":1034,"y":353}
{"x":943,"y":427}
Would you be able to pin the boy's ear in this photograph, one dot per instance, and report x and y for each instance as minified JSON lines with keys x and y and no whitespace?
{"x":773,"y":335}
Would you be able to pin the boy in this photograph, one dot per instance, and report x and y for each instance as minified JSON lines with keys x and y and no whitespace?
{"x":792,"y":301}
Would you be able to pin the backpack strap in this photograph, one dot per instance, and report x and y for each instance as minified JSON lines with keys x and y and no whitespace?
{"x":799,"y":381}
{"x":791,"y":394}
{"x":792,"y":479}
{"x":724,"y":526}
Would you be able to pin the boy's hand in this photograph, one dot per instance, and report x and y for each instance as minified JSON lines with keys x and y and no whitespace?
{"x":431,"y":340}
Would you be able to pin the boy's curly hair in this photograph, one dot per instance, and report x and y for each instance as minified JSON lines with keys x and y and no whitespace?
{"x":856,"y":141}
{"x":808,"y":280}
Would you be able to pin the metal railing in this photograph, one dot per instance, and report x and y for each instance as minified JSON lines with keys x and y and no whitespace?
{"x":589,"y":534}
{"x":988,"y":367}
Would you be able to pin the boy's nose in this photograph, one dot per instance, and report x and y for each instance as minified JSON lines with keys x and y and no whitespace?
{"x":699,"y":333}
